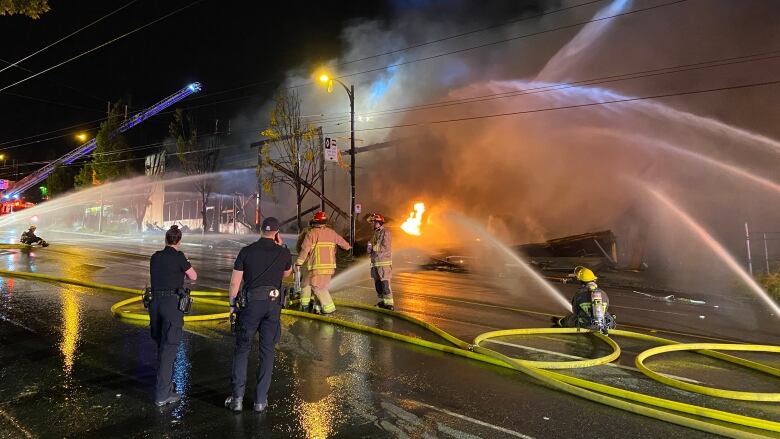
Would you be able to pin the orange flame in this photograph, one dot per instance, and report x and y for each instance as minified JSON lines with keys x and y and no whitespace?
{"x":413,"y":223}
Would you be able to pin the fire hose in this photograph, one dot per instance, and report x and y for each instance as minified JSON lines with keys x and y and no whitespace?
{"x":634,"y":402}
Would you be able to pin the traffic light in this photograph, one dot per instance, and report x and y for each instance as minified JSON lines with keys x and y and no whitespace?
{"x":44,"y":191}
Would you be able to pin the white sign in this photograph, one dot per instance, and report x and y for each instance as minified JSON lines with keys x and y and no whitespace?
{"x":330,"y":150}
{"x":358,"y":208}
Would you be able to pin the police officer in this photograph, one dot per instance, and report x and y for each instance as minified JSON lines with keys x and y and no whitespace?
{"x":168,"y":268}
{"x":261,"y":267}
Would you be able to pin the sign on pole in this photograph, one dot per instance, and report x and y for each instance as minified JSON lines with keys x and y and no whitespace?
{"x":358,"y":207}
{"x":330,"y":150}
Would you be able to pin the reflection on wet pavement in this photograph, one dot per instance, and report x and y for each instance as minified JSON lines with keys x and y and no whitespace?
{"x":328,"y":381}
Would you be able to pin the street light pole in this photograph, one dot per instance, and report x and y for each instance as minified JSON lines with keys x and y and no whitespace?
{"x":352,"y":154}
{"x":325,"y":78}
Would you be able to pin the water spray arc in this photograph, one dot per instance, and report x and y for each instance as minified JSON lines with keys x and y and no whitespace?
{"x":718,"y":249}
{"x":511,"y":255}
{"x":41,"y":174}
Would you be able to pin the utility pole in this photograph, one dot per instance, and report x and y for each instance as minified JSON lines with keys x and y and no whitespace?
{"x":766,"y":254}
{"x":322,"y":173}
{"x":749,"y":256}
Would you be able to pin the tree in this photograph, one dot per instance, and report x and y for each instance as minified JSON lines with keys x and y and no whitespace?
{"x":110,"y":159}
{"x":30,"y":8}
{"x":292,"y":153}
{"x":59,"y":181}
{"x":196,"y":157}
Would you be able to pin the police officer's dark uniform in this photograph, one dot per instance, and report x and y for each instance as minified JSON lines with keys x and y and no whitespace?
{"x":167,"y":268}
{"x":263,"y":264}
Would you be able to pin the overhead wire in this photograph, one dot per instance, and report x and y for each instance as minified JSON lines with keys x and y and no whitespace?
{"x":77,"y":31}
{"x":101,"y":45}
{"x":439,"y":55}
{"x":418,"y":45}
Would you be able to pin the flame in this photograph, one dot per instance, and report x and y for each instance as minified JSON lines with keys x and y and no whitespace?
{"x":413,"y":223}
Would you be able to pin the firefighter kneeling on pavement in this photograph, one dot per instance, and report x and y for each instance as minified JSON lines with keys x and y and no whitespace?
{"x":381,"y":251}
{"x":319,"y":247}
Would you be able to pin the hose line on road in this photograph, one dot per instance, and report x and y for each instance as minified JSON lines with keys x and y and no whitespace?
{"x":634,"y":402}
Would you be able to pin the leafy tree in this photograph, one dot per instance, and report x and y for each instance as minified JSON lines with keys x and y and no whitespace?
{"x":59,"y":181}
{"x":110,"y":159}
{"x":197,"y":156}
{"x":292,"y":152}
{"x":30,"y":8}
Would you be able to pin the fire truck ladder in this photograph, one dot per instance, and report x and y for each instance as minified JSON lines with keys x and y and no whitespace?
{"x":41,"y":174}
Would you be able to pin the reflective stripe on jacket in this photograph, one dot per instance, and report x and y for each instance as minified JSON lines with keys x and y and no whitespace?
{"x":319,"y":247}
{"x":381,"y":249}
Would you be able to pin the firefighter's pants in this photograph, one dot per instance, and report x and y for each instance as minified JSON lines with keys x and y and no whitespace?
{"x":318,"y":284}
{"x":381,"y":276}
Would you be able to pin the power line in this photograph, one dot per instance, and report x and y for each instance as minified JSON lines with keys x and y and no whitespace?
{"x":389,"y":66}
{"x":479,"y":46}
{"x":418,"y":45}
{"x":16,"y":63}
{"x":102,"y":45}
{"x":61,"y":84}
{"x":436,"y":56}
{"x":506,"y":40}
{"x":533,"y":90}
{"x":574,"y":84}
{"x":90,"y":123}
{"x":63,"y":104}
{"x":514,"y":113}
{"x":565,"y":107}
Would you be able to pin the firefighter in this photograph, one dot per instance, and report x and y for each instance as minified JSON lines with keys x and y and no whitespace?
{"x":319,"y":247}
{"x":380,"y":249}
{"x":29,"y":237}
{"x":581,"y":301}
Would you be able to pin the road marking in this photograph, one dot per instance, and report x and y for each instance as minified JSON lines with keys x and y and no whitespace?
{"x":474,"y":421}
{"x":574,"y":357}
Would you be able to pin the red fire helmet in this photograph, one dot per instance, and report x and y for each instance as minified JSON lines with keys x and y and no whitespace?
{"x":320,"y":217}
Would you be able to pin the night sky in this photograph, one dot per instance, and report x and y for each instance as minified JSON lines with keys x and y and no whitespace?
{"x":222,"y":44}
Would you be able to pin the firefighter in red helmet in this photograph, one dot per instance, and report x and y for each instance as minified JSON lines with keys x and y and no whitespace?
{"x":319,"y":248}
{"x":380,"y":249}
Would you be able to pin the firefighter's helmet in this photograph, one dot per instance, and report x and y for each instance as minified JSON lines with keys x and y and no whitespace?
{"x":320,"y":217}
{"x":376,"y":218}
{"x":584,"y":274}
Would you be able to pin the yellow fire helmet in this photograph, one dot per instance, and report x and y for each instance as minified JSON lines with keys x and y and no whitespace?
{"x":584,"y":274}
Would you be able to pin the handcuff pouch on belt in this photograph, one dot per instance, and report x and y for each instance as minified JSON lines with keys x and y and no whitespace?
{"x":185,"y":301}
{"x":241,"y":299}
{"x":147,"y":297}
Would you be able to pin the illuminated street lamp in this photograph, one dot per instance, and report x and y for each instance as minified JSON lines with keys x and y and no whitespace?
{"x":82,"y":137}
{"x":326,"y":79}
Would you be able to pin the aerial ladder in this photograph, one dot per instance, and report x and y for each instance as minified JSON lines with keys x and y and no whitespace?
{"x":38,"y":176}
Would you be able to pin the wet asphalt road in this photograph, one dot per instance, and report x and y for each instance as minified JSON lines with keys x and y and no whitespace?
{"x":69,"y":369}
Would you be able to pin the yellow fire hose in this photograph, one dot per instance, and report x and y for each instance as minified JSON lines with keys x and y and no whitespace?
{"x":635,"y":402}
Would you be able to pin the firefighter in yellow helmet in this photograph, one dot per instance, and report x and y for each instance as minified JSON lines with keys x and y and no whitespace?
{"x":319,"y":247}
{"x":380,"y":249}
{"x":582,"y":300}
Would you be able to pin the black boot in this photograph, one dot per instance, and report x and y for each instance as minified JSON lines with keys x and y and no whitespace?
{"x":234,"y":404}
